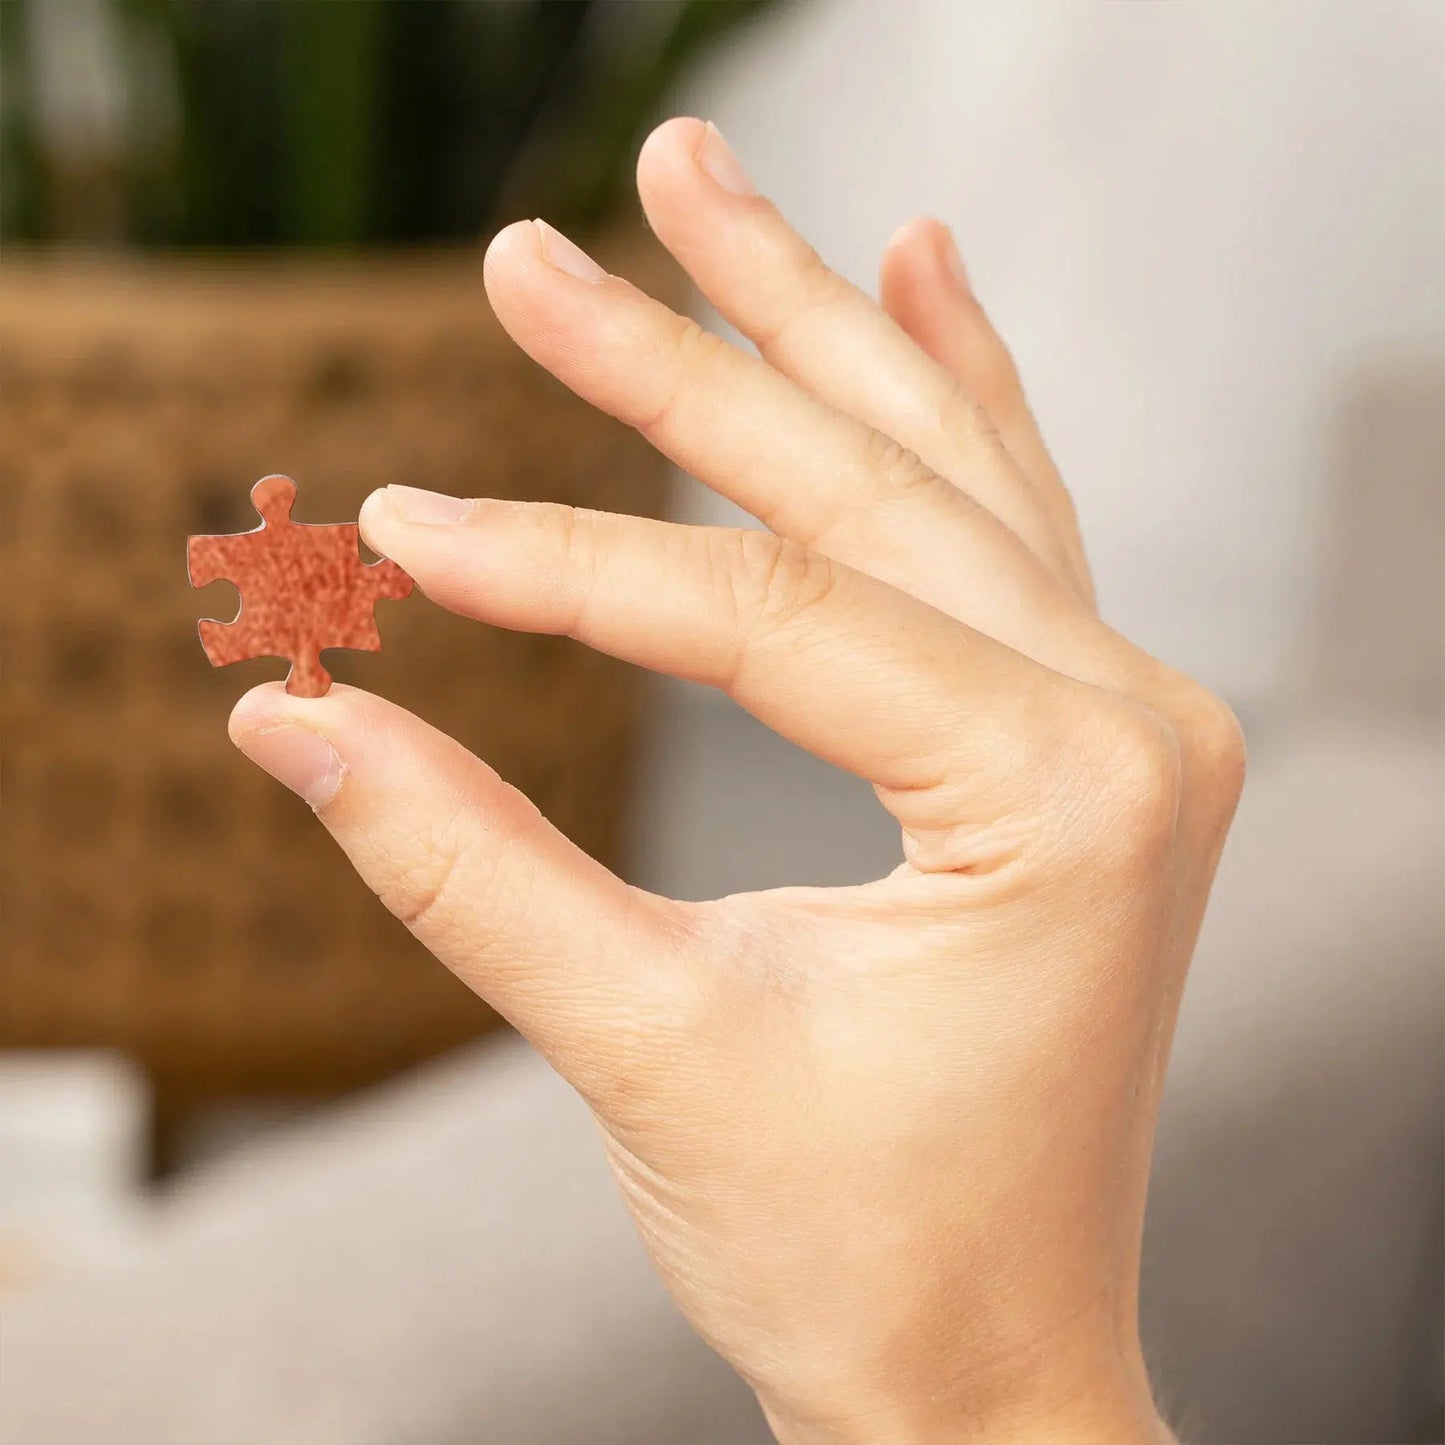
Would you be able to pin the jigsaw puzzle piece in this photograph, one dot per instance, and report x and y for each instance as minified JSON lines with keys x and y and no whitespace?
{"x":386,"y":581}
{"x":273,"y":497}
{"x":228,"y":642}
{"x":208,"y":559}
{"x":303,"y":589}
{"x":308,"y":678}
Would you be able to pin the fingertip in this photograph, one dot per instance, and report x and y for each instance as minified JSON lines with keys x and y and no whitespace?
{"x":270,"y":706}
{"x":531,"y":273}
{"x":924,"y":250}
{"x":675,"y":139}
{"x":257,"y":709}
{"x":921,"y":231}
{"x":922,"y":285}
{"x":519,"y":235}
{"x":512,"y":246}
{"x":373,"y":517}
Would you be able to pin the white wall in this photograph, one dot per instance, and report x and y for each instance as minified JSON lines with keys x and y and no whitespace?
{"x":1206,"y":229}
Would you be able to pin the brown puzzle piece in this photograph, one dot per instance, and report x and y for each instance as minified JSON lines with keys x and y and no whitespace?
{"x":303,"y":588}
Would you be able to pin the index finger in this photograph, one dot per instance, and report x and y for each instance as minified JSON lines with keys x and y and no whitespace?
{"x":865,"y":676}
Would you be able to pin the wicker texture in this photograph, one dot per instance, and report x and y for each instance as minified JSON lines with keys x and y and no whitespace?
{"x":160,"y":894}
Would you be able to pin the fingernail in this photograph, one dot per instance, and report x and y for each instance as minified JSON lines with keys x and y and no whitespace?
{"x":716,"y":157}
{"x":952,"y":261}
{"x":298,"y":757}
{"x":428,"y":509}
{"x":566,"y":255}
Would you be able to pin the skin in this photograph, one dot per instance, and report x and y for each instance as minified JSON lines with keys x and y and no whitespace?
{"x":887,"y":1145}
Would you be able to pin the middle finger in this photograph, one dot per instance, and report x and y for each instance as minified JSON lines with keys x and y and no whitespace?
{"x":823,"y":332}
{"x":810,"y":473}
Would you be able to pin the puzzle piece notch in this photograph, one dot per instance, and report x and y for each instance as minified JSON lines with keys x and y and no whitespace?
{"x":303,"y":589}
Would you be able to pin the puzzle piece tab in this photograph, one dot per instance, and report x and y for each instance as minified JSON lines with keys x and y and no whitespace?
{"x":303,"y":588}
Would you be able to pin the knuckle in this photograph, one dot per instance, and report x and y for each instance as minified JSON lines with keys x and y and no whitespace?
{"x":555,"y":527}
{"x":687,"y":354}
{"x":730,"y":558}
{"x":419,"y":888}
{"x":1211,"y":741}
{"x":676,"y":354}
{"x":773,"y":581}
{"x":899,"y":471}
{"x":1137,"y":770}
{"x":961,"y":416}
{"x":801,"y":288}
{"x":434,"y":883}
{"x":695,"y":348}
{"x":571,"y":545}
{"x":1215,"y":750}
{"x":816,"y":287}
{"x":1068,"y":508}
{"x":813,"y":274}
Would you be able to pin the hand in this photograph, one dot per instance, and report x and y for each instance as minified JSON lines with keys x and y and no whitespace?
{"x":888,"y":1145}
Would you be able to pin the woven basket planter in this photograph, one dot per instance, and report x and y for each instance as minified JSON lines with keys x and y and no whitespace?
{"x":161,"y":896}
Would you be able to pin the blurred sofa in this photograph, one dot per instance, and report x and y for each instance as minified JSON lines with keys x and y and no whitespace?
{"x":446,"y":1260}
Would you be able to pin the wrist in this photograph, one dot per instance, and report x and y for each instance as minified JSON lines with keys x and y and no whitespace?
{"x":906,"y":1428}
{"x":1119,"y":1412}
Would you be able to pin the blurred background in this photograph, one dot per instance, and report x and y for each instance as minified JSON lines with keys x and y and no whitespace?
{"x":269,"y":1173}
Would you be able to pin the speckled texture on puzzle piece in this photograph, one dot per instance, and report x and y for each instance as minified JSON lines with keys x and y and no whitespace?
{"x":303,"y":588}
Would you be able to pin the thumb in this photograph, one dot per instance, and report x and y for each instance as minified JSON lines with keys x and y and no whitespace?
{"x":580,"y":962}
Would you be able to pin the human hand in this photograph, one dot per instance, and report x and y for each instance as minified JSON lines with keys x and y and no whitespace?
{"x":888,"y":1145}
